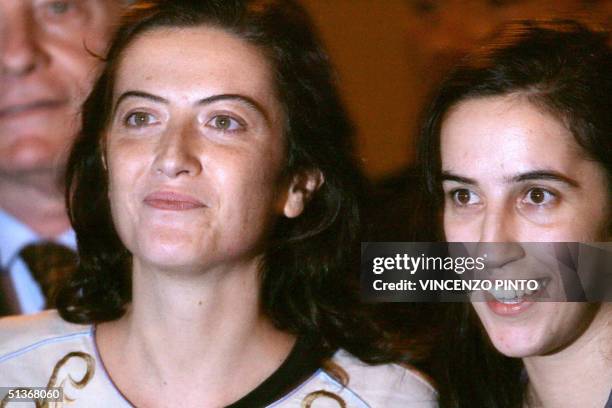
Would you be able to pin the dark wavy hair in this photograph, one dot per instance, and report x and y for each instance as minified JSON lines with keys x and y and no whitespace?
{"x":304,"y":287}
{"x":564,"y":68}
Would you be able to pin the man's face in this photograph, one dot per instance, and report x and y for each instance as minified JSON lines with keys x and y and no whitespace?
{"x":46,"y":70}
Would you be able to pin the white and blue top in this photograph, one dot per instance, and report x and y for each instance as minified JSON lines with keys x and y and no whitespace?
{"x":43,"y":350}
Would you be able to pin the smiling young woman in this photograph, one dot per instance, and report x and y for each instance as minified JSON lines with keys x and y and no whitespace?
{"x":517,"y":148}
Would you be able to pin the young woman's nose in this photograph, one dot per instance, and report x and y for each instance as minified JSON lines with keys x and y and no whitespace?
{"x":499,"y":237}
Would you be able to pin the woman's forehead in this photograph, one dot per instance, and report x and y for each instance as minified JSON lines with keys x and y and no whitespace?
{"x":194,"y":59}
{"x":505,"y":135}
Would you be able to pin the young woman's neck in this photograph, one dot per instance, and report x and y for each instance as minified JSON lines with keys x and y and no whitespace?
{"x":578,"y":375}
{"x":206,"y":330}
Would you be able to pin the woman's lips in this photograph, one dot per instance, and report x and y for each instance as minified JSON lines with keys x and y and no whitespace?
{"x":508,"y":309}
{"x":513,"y":302}
{"x":168,"y":200}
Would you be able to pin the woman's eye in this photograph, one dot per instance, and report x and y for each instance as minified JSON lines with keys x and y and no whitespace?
{"x":539,"y":196}
{"x":464,"y":197}
{"x":225,"y":123}
{"x":139,"y":119}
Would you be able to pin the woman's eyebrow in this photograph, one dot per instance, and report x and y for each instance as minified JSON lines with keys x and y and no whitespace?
{"x":448,"y":176}
{"x":139,"y":94}
{"x":246,"y":100}
{"x":545,"y":175}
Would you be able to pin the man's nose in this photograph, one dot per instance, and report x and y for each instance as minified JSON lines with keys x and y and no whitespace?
{"x":20,"y":48}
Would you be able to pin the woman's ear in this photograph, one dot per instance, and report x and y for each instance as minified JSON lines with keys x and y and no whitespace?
{"x":301,"y":189}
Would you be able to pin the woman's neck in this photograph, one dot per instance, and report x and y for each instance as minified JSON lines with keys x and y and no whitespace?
{"x":202,"y":336}
{"x":578,"y":375}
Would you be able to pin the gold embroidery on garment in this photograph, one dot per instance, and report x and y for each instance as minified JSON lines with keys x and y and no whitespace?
{"x":54,"y":381}
{"x":336,"y":371}
{"x":315,"y":395}
{"x":80,"y":384}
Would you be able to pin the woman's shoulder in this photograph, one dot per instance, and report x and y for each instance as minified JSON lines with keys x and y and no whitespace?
{"x":389,"y":385}
{"x":45,"y":351}
{"x":20,"y":334}
{"x":344,"y":380}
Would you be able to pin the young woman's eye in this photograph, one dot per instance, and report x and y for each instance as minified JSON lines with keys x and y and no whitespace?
{"x":225,"y":123}
{"x":462,"y":197}
{"x":140,"y":119}
{"x":539,"y":196}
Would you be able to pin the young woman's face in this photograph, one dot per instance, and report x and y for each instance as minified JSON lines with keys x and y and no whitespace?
{"x":513,"y":173}
{"x":195,"y":151}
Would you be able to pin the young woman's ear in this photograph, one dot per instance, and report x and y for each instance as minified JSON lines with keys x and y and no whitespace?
{"x":301,"y":189}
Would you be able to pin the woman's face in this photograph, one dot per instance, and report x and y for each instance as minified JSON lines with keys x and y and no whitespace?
{"x":514,"y":174}
{"x":195,"y":150}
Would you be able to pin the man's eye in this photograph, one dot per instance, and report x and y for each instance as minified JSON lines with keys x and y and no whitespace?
{"x":539,"y":196}
{"x":59,"y":7}
{"x":464,"y":197}
{"x":140,"y":119}
{"x":61,"y":11}
{"x":225,"y":123}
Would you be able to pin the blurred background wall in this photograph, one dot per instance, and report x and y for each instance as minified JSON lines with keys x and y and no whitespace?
{"x":390,"y":54}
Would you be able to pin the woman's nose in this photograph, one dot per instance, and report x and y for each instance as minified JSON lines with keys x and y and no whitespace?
{"x":176,"y":154}
{"x":499,"y":238}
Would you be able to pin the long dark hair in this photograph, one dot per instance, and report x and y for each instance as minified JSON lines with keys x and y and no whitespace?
{"x":564,"y":68}
{"x":304,"y":286}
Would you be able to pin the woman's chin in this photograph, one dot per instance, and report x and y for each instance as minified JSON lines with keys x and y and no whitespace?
{"x":517,"y":330}
{"x":167,"y":256}
{"x":517,"y":343}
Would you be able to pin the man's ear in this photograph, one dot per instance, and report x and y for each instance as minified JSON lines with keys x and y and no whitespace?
{"x":102,"y":149}
{"x":301,"y":189}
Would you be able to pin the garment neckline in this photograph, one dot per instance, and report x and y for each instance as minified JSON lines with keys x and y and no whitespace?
{"x":304,"y":360}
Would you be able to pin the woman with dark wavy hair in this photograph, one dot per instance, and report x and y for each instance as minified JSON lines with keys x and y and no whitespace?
{"x":517,"y":148}
{"x":214,"y":197}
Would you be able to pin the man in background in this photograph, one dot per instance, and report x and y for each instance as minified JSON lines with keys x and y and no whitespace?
{"x":47,"y":66}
